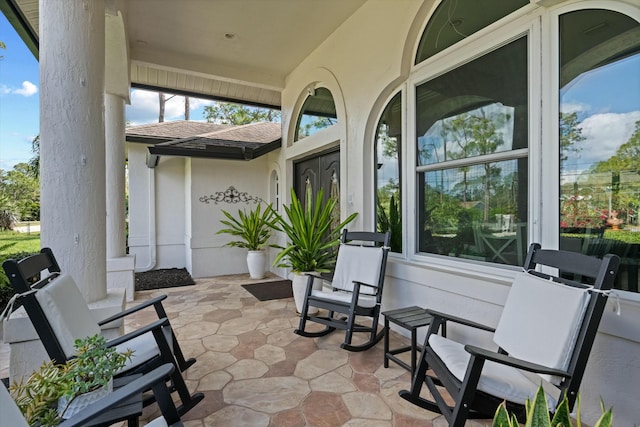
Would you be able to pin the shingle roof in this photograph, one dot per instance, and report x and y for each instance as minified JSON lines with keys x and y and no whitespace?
{"x":171,"y":130}
{"x":198,"y":139}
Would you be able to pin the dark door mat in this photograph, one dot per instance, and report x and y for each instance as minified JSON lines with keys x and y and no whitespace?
{"x":265,"y":291}
{"x":164,"y":278}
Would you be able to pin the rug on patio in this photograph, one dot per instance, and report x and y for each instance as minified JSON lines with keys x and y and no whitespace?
{"x":265,"y":291}
{"x":164,"y":278}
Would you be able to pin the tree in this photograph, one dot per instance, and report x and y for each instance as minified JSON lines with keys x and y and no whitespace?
{"x":235,"y":114}
{"x":2,"y":46}
{"x":34,"y":162}
{"x":23,"y":188}
{"x":570,"y":135}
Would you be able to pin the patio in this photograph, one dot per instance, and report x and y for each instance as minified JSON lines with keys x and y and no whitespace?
{"x":254,"y":371}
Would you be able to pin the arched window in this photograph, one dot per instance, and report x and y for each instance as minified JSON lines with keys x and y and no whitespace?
{"x":600,"y":136}
{"x":455,"y":20}
{"x":318,"y":112}
{"x":274,"y":190}
{"x":387,"y":169}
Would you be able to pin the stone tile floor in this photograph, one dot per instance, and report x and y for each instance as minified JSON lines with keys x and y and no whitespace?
{"x":254,"y":371}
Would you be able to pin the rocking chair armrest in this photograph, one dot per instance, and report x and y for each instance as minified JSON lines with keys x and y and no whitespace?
{"x":140,"y":331}
{"x":514,"y":362}
{"x":448,"y":317}
{"x":138,"y":385}
{"x":157,"y":302}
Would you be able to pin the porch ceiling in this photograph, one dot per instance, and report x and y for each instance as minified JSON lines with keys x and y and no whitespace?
{"x":237,"y":50}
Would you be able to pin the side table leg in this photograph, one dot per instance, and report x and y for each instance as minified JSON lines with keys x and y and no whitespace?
{"x":386,"y":341}
{"x":414,"y":350}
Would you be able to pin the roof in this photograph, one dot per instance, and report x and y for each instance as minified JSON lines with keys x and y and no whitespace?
{"x":153,"y":133}
{"x":208,"y":140}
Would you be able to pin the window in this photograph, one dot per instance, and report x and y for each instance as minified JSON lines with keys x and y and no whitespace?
{"x":318,"y":112}
{"x":472,"y":148}
{"x":455,"y":20}
{"x":387,"y":172}
{"x":600,"y":137}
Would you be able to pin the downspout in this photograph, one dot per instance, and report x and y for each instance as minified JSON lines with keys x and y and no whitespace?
{"x":152,"y":221}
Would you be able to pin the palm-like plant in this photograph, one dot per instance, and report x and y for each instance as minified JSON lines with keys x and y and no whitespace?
{"x":253,"y":229}
{"x":310,"y":235}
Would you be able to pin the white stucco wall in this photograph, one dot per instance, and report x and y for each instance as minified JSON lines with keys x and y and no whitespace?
{"x":366,"y":66}
{"x":208,"y":176}
{"x":186,"y":227}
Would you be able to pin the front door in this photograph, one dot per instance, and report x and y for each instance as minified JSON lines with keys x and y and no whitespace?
{"x":318,"y":172}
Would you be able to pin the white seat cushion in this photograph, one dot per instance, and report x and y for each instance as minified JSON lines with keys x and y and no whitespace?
{"x":497,"y":380}
{"x":541,"y":320}
{"x":145,"y":348}
{"x":67,"y":312}
{"x":359,"y":263}
{"x":158,"y":422}
{"x":367,"y":301}
{"x":9,"y":411}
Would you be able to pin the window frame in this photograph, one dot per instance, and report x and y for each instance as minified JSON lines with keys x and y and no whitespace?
{"x":514,"y":26}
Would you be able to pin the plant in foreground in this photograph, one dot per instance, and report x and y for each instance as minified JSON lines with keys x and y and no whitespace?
{"x":538,"y":414}
{"x":92,"y":368}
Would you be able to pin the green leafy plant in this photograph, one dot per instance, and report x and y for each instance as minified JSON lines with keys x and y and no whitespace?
{"x":310,"y":235}
{"x":253,"y":229}
{"x":538,"y":414}
{"x":92,"y":368}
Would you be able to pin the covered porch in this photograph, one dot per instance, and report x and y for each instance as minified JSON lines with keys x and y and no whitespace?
{"x":399,"y":73}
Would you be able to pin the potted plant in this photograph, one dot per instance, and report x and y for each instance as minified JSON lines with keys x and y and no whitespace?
{"x":311,"y":239}
{"x":58,"y":391}
{"x":253,"y":230}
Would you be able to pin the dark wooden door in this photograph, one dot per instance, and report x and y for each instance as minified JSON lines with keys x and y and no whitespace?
{"x":319,"y":172}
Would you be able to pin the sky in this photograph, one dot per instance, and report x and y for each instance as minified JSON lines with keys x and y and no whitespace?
{"x":19,"y":102}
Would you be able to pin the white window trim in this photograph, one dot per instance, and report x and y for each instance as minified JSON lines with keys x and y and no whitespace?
{"x":506,"y":30}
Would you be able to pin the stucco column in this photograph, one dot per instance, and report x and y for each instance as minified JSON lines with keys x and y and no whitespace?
{"x":115,"y":175}
{"x":120,"y":266}
{"x":72,"y":148}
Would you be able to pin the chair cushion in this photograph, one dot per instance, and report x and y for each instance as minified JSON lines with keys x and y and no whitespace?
{"x":541,"y":320}
{"x":67,"y":312}
{"x":158,"y":422}
{"x":497,"y":380}
{"x":145,"y":348}
{"x":361,"y":263}
{"x":11,"y":415}
{"x":367,"y":301}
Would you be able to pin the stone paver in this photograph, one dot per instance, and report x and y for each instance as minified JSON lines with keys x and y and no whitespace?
{"x":254,"y":371}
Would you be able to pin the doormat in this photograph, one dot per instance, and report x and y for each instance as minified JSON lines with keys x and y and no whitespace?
{"x":265,"y":291}
{"x":164,"y":278}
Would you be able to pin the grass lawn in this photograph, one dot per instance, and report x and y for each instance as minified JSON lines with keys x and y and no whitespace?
{"x":13,"y":242}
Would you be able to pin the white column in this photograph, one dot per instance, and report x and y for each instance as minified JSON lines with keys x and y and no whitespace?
{"x":115,"y":175}
{"x":72,"y":175}
{"x":120,"y":266}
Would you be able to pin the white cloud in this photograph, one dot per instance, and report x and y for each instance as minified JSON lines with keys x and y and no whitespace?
{"x":605,"y":133}
{"x":575,"y":107}
{"x":144,"y":107}
{"x":28,"y":89}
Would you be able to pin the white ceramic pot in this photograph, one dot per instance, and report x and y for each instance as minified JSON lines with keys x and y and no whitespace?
{"x":299,"y":285}
{"x":256,"y":263}
{"x":83,"y":400}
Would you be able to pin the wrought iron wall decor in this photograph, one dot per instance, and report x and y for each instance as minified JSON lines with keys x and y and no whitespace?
{"x":230,"y":195}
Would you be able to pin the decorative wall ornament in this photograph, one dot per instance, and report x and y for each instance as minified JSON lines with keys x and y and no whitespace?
{"x":230,"y":195}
